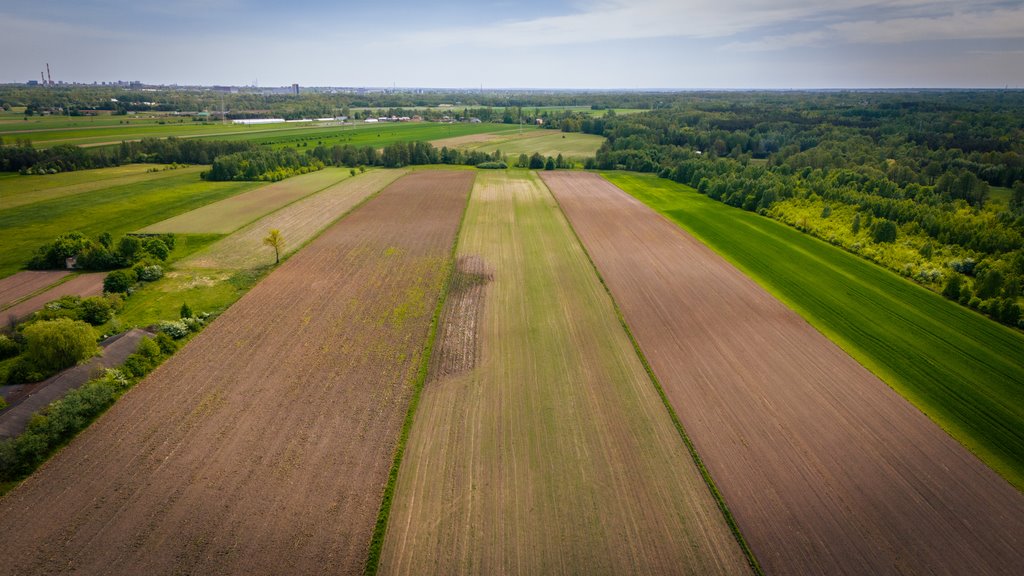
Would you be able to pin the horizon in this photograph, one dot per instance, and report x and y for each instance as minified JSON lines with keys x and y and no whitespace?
{"x":608,"y":45}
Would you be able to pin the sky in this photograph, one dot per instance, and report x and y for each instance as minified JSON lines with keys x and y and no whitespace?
{"x":575,"y":44}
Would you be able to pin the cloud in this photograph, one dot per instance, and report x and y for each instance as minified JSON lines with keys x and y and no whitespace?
{"x":992,"y":24}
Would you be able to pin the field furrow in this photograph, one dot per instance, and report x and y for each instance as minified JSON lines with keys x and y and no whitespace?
{"x":298,"y":222}
{"x":540,"y":445}
{"x":825,"y":468}
{"x":263,"y":446}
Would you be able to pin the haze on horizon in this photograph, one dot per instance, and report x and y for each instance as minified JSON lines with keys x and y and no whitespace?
{"x":596,"y":44}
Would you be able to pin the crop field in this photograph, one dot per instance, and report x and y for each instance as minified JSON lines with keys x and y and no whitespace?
{"x":376,"y":135}
{"x":24,"y":284}
{"x":278,"y":422}
{"x":824,"y":467}
{"x":298,"y":222}
{"x":118,"y":209}
{"x":540,"y":445}
{"x":83,"y":285}
{"x":232,"y":213}
{"x":17,"y":190}
{"x":545,"y":142}
{"x":961,"y":369}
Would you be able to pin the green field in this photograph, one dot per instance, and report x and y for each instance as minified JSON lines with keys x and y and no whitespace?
{"x":17,"y":190}
{"x":964,"y":371}
{"x":547,"y":143}
{"x":117,"y":209}
{"x":361,"y":134}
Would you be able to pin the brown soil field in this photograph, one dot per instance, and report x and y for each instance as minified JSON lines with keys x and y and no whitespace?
{"x":298,"y":222}
{"x":826,"y":469}
{"x":540,"y":445}
{"x":83,"y":285}
{"x":24,"y":284}
{"x":263,"y":446}
{"x":232,"y":213}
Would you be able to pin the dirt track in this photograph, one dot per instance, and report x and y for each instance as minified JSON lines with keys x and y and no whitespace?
{"x":263,"y":446}
{"x":826,"y":469}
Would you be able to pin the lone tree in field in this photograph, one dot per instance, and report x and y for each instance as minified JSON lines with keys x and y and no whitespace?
{"x":275,"y":241}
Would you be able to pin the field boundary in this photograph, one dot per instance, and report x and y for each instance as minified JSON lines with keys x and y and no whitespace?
{"x":381,"y":527}
{"x":704,"y":473}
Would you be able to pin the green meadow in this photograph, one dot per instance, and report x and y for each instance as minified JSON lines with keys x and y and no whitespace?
{"x":963,"y":370}
{"x":116,"y":209}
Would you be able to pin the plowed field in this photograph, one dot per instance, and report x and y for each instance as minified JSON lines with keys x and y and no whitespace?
{"x":826,"y":469}
{"x":298,"y":222}
{"x":550,"y":453}
{"x":24,"y":284}
{"x":83,"y":285}
{"x":263,"y":446}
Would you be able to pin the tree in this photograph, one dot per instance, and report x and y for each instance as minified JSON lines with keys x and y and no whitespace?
{"x":884,"y":231}
{"x":186,"y":311}
{"x":1017,"y":200}
{"x":953,"y":287}
{"x":536,"y":161}
{"x":53,"y":345}
{"x":856,"y":223}
{"x":275,"y":241}
{"x":550,"y":164}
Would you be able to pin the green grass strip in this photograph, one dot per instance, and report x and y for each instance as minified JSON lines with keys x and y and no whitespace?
{"x":380,"y":530}
{"x":704,"y":473}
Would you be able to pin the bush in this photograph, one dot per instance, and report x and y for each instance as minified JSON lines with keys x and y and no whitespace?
{"x":149,"y":273}
{"x":157,"y":248}
{"x":119,"y":281}
{"x":52,"y":345}
{"x":98,"y":309}
{"x":8,"y":347}
{"x":174,"y":329}
{"x":492,"y":165}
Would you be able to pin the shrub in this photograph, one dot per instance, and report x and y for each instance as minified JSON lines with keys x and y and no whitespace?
{"x":492,"y":165}
{"x":174,"y":329}
{"x":52,"y":345}
{"x":157,"y":248}
{"x":119,"y":281}
{"x":149,"y":273}
{"x":186,"y":311}
{"x":98,"y":310}
{"x":8,"y":347}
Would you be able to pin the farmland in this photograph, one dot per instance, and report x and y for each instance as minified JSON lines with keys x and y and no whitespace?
{"x":334,"y":335}
{"x":118,"y":209}
{"x":540,"y":445}
{"x":544,"y":142}
{"x":232,"y":213}
{"x":83,"y":285}
{"x":961,"y":369}
{"x":18,"y":190}
{"x":825,"y":468}
{"x":24,"y":284}
{"x":298,"y":222}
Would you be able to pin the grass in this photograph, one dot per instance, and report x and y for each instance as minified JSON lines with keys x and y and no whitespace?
{"x":17,"y":190}
{"x":117,"y":209}
{"x":961,"y":369}
{"x":375,"y":135}
{"x":546,"y":143}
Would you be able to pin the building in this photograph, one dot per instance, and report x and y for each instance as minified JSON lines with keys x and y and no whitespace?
{"x":295,"y":89}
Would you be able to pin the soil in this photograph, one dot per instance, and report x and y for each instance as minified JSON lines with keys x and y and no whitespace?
{"x":83,"y":285}
{"x":263,"y":446}
{"x":826,"y":469}
{"x":24,"y":284}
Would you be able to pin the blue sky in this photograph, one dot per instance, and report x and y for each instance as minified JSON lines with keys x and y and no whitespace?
{"x":521,"y":44}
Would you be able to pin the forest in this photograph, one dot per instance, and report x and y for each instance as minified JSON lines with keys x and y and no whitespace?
{"x":928,"y":184}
